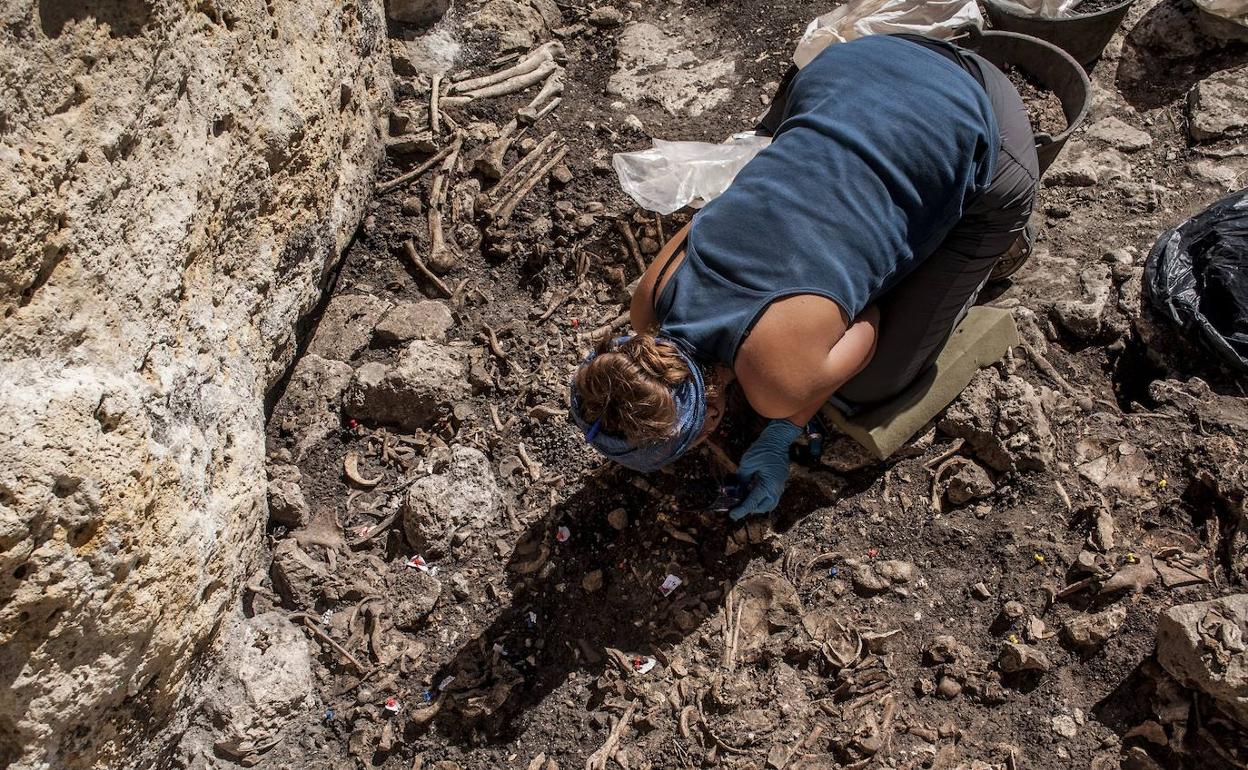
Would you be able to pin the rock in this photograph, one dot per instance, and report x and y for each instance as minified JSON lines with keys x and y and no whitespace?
{"x":981,"y":591}
{"x":416,"y":593}
{"x":970,"y":482}
{"x":406,"y":321}
{"x":1202,"y":645}
{"x":1120,"y":135}
{"x":1013,"y":609}
{"x":172,"y":206}
{"x":561,"y":174}
{"x":948,"y":688}
{"x":618,"y":519}
{"x":286,"y":502}
{"x":1084,"y":318}
{"x":879,"y":576}
{"x":1171,"y":31}
{"x":346,"y":326}
{"x":1112,"y":465}
{"x":412,"y":205}
{"x":1088,"y":632}
{"x":946,"y":649}
{"x":459,"y":500}
{"x":654,"y":66}
{"x":260,"y":683}
{"x":419,"y":12}
{"x":592,"y":581}
{"x":520,"y":24}
{"x":310,"y":407}
{"x":1223,"y":173}
{"x":1080,"y":165}
{"x":1217,"y":107}
{"x":1065,"y":726}
{"x":1003,"y":421}
{"x":1015,"y":657}
{"x":432,"y":53}
{"x":428,"y":378}
{"x":297,"y":577}
{"x":606,"y":16}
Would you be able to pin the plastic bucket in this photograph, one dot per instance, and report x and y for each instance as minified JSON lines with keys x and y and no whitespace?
{"x":1083,"y":37}
{"x":1055,"y":69}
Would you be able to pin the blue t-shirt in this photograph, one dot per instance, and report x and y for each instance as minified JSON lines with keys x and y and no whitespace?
{"x":884,"y":143}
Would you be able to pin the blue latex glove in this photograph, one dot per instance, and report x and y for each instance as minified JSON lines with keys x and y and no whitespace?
{"x":766,"y":466}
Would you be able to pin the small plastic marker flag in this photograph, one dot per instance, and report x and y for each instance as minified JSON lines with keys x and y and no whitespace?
{"x":671,"y":583}
{"x":392,"y":705}
{"x":873,"y":552}
{"x":644,"y":665}
{"x":532,"y":618}
{"x":562,"y":534}
{"x":428,"y":696}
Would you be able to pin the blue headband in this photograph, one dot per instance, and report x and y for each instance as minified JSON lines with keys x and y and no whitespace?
{"x":690,"y":398}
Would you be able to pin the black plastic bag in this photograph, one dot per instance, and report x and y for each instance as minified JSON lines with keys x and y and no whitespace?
{"x":1197,"y":276}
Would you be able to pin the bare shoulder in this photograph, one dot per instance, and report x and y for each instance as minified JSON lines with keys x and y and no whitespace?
{"x":782,"y":362}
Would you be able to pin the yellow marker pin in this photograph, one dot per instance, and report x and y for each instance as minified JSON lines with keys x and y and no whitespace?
{"x":1039,"y":557}
{"x":1013,"y":638}
{"x":1132,"y":558}
{"x":1162,"y":483}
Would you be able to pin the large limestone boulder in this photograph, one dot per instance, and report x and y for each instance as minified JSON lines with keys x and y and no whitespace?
{"x":426,"y":381}
{"x":1204,"y":645}
{"x":175,"y":182}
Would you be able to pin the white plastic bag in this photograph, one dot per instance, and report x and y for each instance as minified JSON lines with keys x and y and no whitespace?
{"x":1231,"y":10}
{"x":937,"y":18}
{"x":672,"y":175}
{"x":1049,"y":9}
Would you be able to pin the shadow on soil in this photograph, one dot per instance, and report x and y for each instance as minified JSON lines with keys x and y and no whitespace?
{"x":573,"y":602}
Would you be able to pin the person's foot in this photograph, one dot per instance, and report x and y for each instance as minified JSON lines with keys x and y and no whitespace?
{"x":1016,"y":256}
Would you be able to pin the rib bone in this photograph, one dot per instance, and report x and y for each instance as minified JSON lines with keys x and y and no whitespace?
{"x":518,"y":83}
{"x":552,"y":51}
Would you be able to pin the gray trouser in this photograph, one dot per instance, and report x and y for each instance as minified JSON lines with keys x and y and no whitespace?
{"x":918,"y":315}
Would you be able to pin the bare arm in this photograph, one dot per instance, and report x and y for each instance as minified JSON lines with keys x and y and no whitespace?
{"x":778,"y":388}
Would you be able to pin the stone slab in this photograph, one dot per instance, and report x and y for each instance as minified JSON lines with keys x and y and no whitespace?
{"x":980,"y":340}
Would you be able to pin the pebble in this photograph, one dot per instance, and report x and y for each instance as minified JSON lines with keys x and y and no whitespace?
{"x":618,"y":519}
{"x":606,"y":16}
{"x":948,"y":688}
{"x":981,"y":591}
{"x":561,"y":174}
{"x":592,"y":581}
{"x":1013,"y":610}
{"x":1022,"y":657}
{"x":412,"y":205}
{"x":1090,"y":631}
{"x":1065,"y":726}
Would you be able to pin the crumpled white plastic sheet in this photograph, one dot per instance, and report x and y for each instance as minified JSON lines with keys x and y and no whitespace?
{"x":1231,"y":10}
{"x":937,"y":18}
{"x":672,"y":175}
